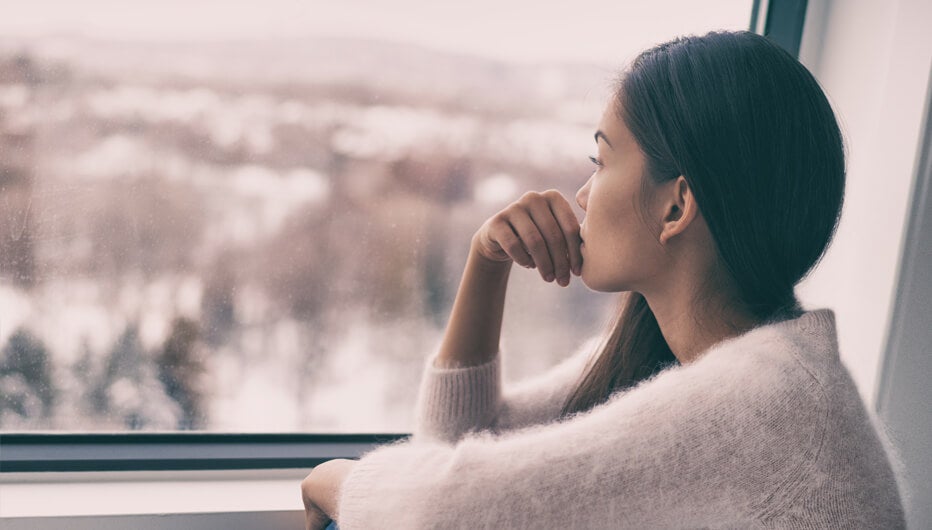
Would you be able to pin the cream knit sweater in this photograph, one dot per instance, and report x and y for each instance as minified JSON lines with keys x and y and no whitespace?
{"x":764,"y":430}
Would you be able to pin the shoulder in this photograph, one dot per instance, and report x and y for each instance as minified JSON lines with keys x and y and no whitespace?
{"x":770,"y":366}
{"x":764,"y":363}
{"x":799,"y":353}
{"x":753,"y":385}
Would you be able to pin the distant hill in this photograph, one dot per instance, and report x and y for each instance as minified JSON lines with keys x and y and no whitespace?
{"x":395,"y":67}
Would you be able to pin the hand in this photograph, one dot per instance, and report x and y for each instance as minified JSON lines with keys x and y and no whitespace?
{"x":314,"y":517}
{"x":539,"y":230}
{"x":320,"y":491}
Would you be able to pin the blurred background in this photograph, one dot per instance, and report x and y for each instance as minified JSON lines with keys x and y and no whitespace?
{"x":254,"y":217}
{"x":244,"y":216}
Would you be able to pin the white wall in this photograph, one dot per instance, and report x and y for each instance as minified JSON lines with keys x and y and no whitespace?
{"x":873,"y":59}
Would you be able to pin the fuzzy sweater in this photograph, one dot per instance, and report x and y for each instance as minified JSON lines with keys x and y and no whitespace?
{"x":764,"y":430}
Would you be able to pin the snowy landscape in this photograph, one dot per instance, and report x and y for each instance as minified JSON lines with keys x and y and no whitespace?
{"x":265,"y":236}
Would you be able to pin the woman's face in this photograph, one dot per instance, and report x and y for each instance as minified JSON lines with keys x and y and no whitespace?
{"x":619,"y":252}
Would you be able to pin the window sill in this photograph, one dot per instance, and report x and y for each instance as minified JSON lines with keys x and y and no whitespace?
{"x":153,"y":499}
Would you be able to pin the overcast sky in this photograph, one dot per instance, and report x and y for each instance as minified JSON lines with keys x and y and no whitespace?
{"x":514,"y":29}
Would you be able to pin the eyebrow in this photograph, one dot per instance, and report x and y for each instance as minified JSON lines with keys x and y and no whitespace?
{"x":600,"y":134}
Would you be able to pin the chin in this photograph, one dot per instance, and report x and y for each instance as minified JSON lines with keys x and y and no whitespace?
{"x":602,"y":284}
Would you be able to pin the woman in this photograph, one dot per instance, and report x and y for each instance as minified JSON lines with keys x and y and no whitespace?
{"x":716,"y":401}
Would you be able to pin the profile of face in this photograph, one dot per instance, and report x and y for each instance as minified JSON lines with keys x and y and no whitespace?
{"x":771,"y":178}
{"x":621,"y":249}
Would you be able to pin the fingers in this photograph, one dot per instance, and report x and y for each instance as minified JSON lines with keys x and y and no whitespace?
{"x":505,"y":235}
{"x":534,"y":242}
{"x":550,"y":232}
{"x":557,"y":265}
{"x":569,"y":224}
{"x":539,"y":231}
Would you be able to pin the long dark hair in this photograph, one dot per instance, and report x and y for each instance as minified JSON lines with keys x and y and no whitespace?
{"x":756,"y":140}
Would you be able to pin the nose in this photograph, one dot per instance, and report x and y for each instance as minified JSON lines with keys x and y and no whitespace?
{"x":582,"y":196}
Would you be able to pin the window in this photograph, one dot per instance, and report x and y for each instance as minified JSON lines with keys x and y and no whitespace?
{"x":254,"y":217}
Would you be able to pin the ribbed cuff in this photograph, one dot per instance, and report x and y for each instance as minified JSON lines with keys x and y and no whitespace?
{"x":452,"y":401}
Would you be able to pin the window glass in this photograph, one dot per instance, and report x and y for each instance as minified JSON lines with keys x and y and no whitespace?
{"x":254,"y":216}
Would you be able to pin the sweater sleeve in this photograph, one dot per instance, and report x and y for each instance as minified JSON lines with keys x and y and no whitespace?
{"x":687,"y":447}
{"x":454,"y":401}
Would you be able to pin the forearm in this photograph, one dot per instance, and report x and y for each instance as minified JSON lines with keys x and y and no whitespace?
{"x":320,"y":491}
{"x":473,"y":332}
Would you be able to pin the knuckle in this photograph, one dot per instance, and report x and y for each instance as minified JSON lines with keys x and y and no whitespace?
{"x":555,"y":234}
{"x":534,"y":241}
{"x":515,"y":249}
{"x":552,"y":194}
{"x":529,"y":198}
{"x":499,"y":219}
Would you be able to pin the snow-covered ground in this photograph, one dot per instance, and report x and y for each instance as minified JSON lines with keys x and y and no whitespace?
{"x":154,"y":205}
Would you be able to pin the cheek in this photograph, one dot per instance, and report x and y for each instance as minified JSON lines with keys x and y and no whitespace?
{"x":605,"y":267}
{"x":618,"y":254}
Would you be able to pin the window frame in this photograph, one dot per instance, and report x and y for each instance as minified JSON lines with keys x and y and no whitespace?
{"x":780,"y":20}
{"x":175,"y":451}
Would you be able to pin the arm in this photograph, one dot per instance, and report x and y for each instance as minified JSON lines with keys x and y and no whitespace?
{"x":538,"y":231}
{"x":461,"y":389}
{"x":454,"y":401}
{"x":540,"y":399}
{"x":702,"y":446}
{"x":475,"y":325}
{"x":320,"y":492}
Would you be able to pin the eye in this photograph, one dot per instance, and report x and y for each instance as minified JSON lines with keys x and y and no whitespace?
{"x":595,"y":161}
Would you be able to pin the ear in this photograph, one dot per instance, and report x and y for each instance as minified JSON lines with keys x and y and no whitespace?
{"x":680,"y":209}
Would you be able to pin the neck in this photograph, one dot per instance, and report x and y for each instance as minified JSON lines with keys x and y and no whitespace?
{"x":691,"y":325}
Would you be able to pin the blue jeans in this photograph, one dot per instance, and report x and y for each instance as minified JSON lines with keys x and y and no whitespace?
{"x":332,"y":526}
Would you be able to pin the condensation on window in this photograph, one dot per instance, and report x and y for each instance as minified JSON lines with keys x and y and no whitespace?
{"x":265,"y":232}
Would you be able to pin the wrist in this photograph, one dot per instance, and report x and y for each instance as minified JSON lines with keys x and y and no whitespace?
{"x":479,"y":260}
